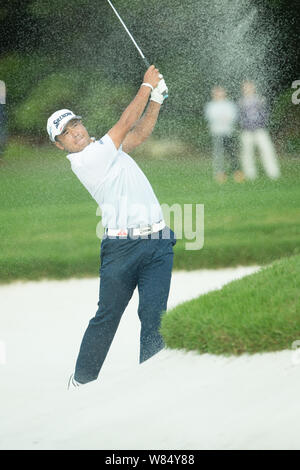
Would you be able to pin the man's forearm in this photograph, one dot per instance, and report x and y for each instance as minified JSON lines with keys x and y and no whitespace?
{"x":135,"y":109}
{"x":143,"y":128}
{"x":130,"y":116}
{"x":145,"y":125}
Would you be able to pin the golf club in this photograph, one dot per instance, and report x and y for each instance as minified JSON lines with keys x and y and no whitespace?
{"x":146,"y":62}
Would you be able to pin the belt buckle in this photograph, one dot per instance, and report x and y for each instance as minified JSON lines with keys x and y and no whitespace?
{"x":146,"y":230}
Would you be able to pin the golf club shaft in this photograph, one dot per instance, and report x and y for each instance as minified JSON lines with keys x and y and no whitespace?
{"x":146,"y":62}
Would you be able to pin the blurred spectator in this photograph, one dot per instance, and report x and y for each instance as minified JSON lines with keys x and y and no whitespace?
{"x":222,"y":116}
{"x":253,"y":122}
{"x":3,"y":130}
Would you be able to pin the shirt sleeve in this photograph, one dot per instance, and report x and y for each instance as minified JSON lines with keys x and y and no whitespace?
{"x":108,"y":142}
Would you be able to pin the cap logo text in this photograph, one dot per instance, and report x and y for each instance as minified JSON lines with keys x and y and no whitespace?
{"x":57,"y":121}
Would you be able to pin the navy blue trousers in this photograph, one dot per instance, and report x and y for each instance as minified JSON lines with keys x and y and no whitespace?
{"x":126,"y":263}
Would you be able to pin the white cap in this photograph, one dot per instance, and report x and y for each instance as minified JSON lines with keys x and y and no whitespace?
{"x":57,"y":122}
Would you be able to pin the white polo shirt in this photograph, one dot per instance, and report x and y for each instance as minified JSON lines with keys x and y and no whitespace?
{"x":117,"y":184}
{"x":222,"y":116}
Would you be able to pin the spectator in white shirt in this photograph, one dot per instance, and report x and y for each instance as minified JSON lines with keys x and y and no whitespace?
{"x":222,"y":116}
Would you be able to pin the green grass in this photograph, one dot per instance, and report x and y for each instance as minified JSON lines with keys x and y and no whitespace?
{"x":48,"y":220}
{"x":257,"y":313}
{"x":48,"y":227}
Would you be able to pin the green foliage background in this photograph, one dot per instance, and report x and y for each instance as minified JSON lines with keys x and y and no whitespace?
{"x":77,"y":55}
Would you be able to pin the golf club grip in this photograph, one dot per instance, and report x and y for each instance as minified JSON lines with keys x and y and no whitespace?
{"x":146,"y":62}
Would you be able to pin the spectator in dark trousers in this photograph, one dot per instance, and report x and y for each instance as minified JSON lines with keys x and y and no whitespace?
{"x":253,"y":123}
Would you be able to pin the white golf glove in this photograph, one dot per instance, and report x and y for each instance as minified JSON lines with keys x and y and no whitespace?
{"x":160,"y":93}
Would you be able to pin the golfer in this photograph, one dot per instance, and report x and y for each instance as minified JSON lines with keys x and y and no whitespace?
{"x":137,"y":246}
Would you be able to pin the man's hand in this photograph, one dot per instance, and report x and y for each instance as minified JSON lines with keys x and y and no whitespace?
{"x":152,"y":76}
{"x":160,"y":93}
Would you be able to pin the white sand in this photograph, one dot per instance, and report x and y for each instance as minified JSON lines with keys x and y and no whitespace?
{"x":175,"y":400}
